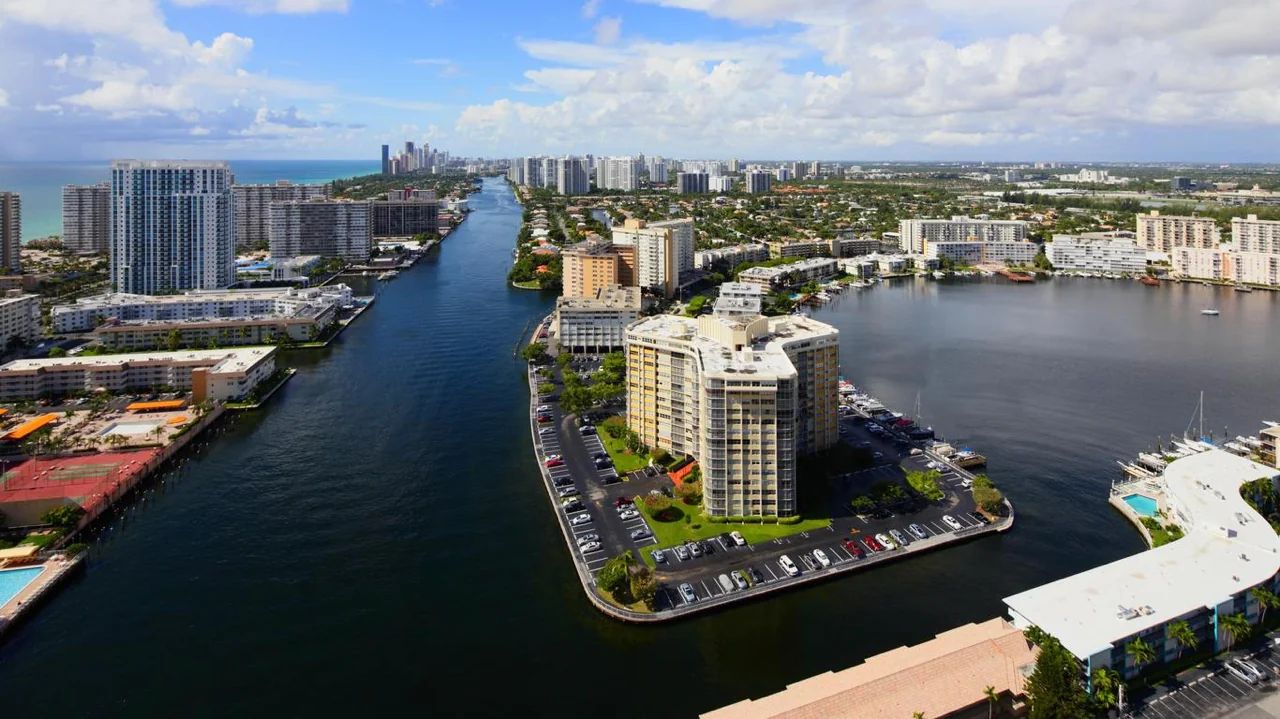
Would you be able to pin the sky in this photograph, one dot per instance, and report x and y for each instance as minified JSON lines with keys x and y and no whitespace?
{"x":1102,"y":80}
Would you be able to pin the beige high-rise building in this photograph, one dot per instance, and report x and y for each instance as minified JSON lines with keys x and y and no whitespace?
{"x":743,"y":395}
{"x":656,"y":252}
{"x":589,"y":267}
{"x":1162,"y":233}
{"x":1249,"y":234}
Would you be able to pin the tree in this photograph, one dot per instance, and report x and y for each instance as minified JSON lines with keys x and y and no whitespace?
{"x":563,"y":359}
{"x":644,"y":586}
{"x":535,"y":352}
{"x":57,"y":352}
{"x":659,"y":506}
{"x":1235,"y":627}
{"x":1180,"y":631}
{"x":576,"y":399}
{"x":1266,"y":599}
{"x":614,"y":575}
{"x":63,"y":515}
{"x":173,"y":340}
{"x":1106,"y":686}
{"x":990,"y":694}
{"x":1140,"y":652}
{"x":1055,"y":689}
{"x":862,"y":504}
{"x":689,"y":492}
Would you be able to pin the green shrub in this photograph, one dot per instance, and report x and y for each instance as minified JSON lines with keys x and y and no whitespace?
{"x":695,"y":526}
{"x":716,"y":519}
{"x":793,"y":519}
{"x":63,"y":515}
{"x":769,"y":519}
{"x":76,"y":548}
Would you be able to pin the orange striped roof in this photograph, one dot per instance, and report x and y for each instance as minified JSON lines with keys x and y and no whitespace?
{"x":31,"y":426}
{"x":152,"y":406}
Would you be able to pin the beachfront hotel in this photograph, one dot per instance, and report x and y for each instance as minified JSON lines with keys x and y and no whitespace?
{"x":215,"y":375}
{"x":1228,"y":550}
{"x":743,"y":395}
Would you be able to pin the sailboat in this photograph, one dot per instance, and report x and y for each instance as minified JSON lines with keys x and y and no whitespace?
{"x":1210,"y":312}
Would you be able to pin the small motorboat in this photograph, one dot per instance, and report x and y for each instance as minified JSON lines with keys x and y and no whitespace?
{"x":1211,"y":312}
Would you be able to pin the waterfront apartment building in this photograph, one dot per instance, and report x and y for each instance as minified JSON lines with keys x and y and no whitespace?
{"x":972,"y":253}
{"x":227,"y":317}
{"x":172,"y":226}
{"x":215,"y":375}
{"x":588,"y":267}
{"x":596,"y":324}
{"x":10,"y":232}
{"x":914,"y":234}
{"x":1249,"y":234}
{"x":329,"y":228}
{"x":838,"y":247}
{"x":573,"y":176}
{"x":252,"y":205}
{"x":19,"y":319}
{"x":1227,"y":265}
{"x":86,"y":218}
{"x":1162,"y":233}
{"x":757,"y":181}
{"x":817,"y":269}
{"x":739,"y":299}
{"x":662,"y":251}
{"x":744,"y":395}
{"x":1096,"y":252}
{"x":1228,"y":550}
{"x":692,"y":183}
{"x":406,"y":214}
{"x":731,"y":255}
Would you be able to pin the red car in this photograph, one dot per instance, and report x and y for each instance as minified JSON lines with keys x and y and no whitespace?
{"x":621,"y":502}
{"x":544,"y":418}
{"x":853,"y":548}
{"x":555,"y":462}
{"x":872,"y":544}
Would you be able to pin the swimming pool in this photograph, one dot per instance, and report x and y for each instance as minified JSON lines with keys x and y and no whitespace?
{"x":1142,"y":504}
{"x":13,"y":580}
{"x":129,"y":429}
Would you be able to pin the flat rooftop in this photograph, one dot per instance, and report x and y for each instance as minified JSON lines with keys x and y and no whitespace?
{"x":238,"y":358}
{"x":1228,"y":548}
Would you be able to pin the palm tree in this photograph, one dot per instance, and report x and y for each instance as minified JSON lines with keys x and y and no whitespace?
{"x":990,"y":694}
{"x":1140,"y":652}
{"x":1181,"y":633}
{"x":1266,"y":599}
{"x":1106,"y":684}
{"x":1236,"y":626}
{"x":917,"y":715}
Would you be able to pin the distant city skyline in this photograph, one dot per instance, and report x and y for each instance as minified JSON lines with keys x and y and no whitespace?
{"x":927,"y":80}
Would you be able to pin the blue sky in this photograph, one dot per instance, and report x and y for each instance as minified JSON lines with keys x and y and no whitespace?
{"x":833,"y":79}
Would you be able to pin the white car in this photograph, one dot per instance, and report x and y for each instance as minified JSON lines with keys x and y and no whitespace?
{"x":950,"y":521}
{"x":788,"y":566}
{"x":628,"y":514}
{"x":966,"y":483}
{"x":544,"y":408}
{"x":589,"y":547}
{"x":738,"y":539}
{"x":546,"y":430}
{"x":821,"y":557}
{"x":886,"y":541}
{"x":580,"y":519}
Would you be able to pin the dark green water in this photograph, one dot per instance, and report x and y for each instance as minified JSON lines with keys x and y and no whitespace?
{"x":377,"y":541}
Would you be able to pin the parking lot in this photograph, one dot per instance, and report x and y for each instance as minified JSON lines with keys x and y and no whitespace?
{"x":1215,"y":691}
{"x":716,"y":568}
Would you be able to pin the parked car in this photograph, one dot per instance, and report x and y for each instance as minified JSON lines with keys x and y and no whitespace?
{"x":659,"y":556}
{"x":740,"y":579}
{"x":628,"y":514}
{"x":966,"y":483}
{"x":1249,"y":668}
{"x":567,"y":491}
{"x":562,"y":481}
{"x":587,"y":429}
{"x":554,"y":462}
{"x":641,"y":533}
{"x":544,"y":431}
{"x":707,"y":547}
{"x":584,"y":538}
{"x":788,"y":566}
{"x":952,"y":522}
{"x":738,"y":539}
{"x":695,"y":549}
{"x":686,"y":591}
{"x":1236,"y":671}
{"x":589,"y":547}
{"x":980,"y":518}
{"x":682,"y":552}
{"x":621,"y":502}
{"x":544,"y":418}
{"x":899,"y":538}
{"x":918,"y":531}
{"x":755,"y":575}
{"x":853,"y":548}
{"x":885,"y":541}
{"x":544,"y":408}
{"x":725,"y":583}
{"x":872,"y":545}
{"x":578,"y":519}
{"x":821,"y":558}
{"x":571,"y":505}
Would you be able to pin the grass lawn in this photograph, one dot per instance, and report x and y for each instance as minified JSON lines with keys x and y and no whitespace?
{"x":623,"y":459}
{"x":692,"y":525}
{"x":528,"y":285}
{"x":43,"y":538}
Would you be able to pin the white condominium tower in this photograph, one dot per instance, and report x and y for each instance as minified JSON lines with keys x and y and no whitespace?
{"x":252,"y":205}
{"x":744,"y":395}
{"x":86,"y":217}
{"x":662,"y":251}
{"x":915,"y":234}
{"x":1162,"y":233}
{"x":1249,"y":234}
{"x":171,"y":226}
{"x":573,"y":176}
{"x":620,"y":173}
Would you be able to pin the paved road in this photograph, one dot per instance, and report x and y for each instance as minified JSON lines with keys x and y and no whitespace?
{"x":1213,"y":691}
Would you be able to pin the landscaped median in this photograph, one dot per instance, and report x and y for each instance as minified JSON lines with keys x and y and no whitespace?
{"x":624,"y":448}
{"x":674,"y":522}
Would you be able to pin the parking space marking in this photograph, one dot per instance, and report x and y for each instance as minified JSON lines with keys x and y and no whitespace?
{"x":769,"y":569}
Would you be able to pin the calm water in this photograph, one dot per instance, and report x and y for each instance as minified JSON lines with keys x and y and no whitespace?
{"x":40,"y":184}
{"x":377,"y":541}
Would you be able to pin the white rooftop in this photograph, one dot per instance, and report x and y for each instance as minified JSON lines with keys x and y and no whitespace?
{"x":222,"y":360}
{"x":1228,"y":548}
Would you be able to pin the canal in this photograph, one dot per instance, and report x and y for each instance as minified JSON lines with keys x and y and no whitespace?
{"x":377,"y":541}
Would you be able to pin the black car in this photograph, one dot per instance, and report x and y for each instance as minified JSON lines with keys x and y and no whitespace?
{"x":756,"y":576}
{"x":601,"y":464}
{"x":574,"y":506}
{"x":562,"y":481}
{"x":600,"y":455}
{"x":707,"y":547}
{"x":981,"y":517}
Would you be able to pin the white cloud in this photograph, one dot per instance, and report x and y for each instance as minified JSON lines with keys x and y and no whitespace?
{"x":850,"y":76}
{"x":448,"y":68}
{"x":607,"y":30}
{"x":4,"y":98}
{"x":287,"y":7}
{"x":590,"y":8}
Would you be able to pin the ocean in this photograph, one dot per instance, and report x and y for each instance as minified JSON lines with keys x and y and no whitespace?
{"x":40,"y":183}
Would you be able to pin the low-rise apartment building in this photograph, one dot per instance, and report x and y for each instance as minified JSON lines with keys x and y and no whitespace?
{"x":731,"y":255}
{"x":796,"y":273}
{"x":215,"y":375}
{"x":996,"y":252}
{"x":19,"y":318}
{"x":1227,"y":265}
{"x":597,"y":324}
{"x":1096,"y":252}
{"x":744,"y":395}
